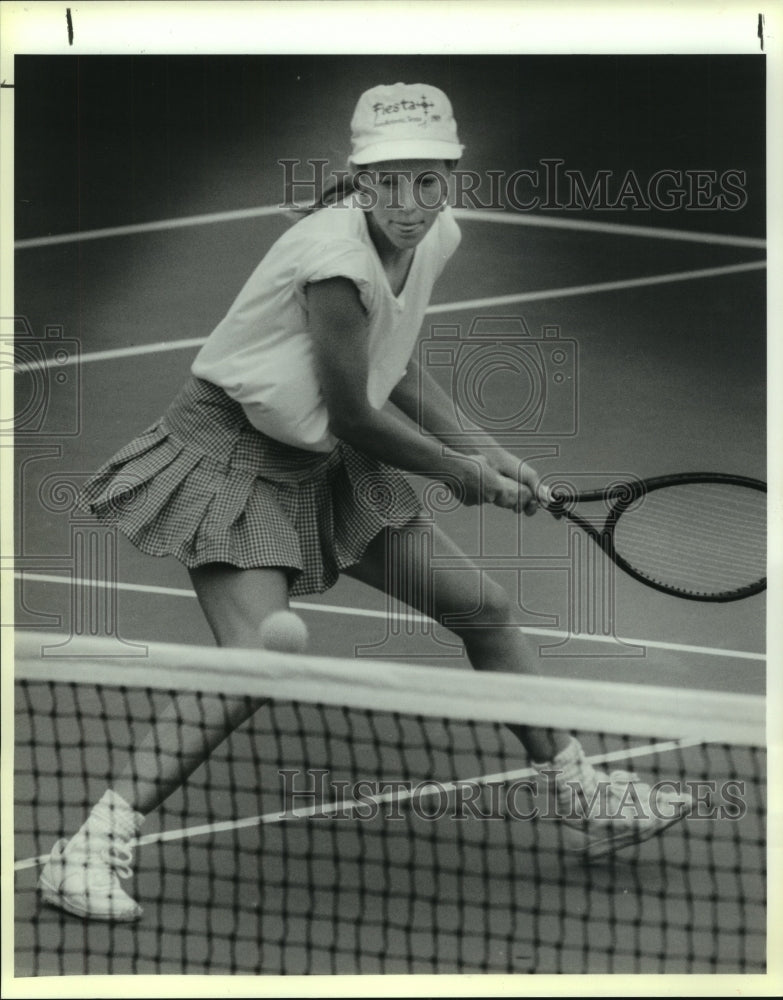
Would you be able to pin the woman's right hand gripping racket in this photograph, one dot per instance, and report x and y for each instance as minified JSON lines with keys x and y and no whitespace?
{"x":699,"y":535}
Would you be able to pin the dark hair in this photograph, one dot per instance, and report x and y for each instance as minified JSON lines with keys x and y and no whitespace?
{"x":342,"y":186}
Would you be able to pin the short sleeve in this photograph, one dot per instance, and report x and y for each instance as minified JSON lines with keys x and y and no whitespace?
{"x":336,"y":259}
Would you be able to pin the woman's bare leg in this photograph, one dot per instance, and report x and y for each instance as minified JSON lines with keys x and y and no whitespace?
{"x":492,"y":641}
{"x":235,"y":603}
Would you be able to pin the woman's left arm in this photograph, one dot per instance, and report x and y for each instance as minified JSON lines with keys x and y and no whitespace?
{"x":424,"y":401}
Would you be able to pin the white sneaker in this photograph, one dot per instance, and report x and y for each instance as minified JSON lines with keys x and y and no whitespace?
{"x":83,"y":874}
{"x":602,"y":813}
{"x":626,"y":811}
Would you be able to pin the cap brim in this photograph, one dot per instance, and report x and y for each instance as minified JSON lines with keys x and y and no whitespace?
{"x":418,"y":149}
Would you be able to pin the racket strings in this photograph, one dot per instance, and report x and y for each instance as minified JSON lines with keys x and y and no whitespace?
{"x":700,"y":538}
{"x":713,"y":510}
{"x":696,"y":577}
{"x":712,"y":533}
{"x":700,"y":579}
{"x":691,"y":553}
{"x":693,"y":546}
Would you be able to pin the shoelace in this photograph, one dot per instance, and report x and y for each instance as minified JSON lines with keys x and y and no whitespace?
{"x":623,"y":778}
{"x":614,"y":780}
{"x":621,"y":781}
{"x":119,"y":857}
{"x":614,"y":783}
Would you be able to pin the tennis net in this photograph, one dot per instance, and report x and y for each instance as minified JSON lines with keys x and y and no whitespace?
{"x":380,"y":818}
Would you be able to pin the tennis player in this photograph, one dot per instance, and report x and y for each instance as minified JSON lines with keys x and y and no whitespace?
{"x":278,"y":467}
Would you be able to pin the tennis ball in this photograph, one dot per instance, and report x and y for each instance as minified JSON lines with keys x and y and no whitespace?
{"x":284,"y":632}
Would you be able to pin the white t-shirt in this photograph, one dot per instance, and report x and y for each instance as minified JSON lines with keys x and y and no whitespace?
{"x":262,"y":352}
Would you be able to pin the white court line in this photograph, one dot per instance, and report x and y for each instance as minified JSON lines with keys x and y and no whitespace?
{"x":612,"y":228}
{"x":444,"y":307}
{"x":408,"y":615}
{"x":396,"y":795}
{"x":148,"y":227}
{"x":601,"y":286}
{"x":468,"y":214}
{"x":116,"y":352}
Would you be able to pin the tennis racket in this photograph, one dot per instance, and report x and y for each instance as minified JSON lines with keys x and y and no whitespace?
{"x":699,"y":535}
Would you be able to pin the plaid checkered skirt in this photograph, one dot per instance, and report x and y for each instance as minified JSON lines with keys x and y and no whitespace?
{"x":203,"y":485}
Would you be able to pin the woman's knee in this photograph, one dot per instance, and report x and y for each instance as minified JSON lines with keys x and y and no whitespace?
{"x":488,"y":606}
{"x":235,"y":602}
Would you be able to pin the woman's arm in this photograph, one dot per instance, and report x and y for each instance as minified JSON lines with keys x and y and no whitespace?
{"x":338,"y":324}
{"x":424,"y":401}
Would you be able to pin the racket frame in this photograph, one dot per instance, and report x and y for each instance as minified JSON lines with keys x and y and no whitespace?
{"x":619,"y":496}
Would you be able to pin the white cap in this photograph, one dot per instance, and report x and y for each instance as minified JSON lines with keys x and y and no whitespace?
{"x":404,"y":121}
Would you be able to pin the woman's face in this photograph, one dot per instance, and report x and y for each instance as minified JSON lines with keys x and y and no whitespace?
{"x":405,"y":197}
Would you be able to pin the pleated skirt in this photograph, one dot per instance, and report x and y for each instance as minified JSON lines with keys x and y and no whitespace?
{"x":203,"y":485}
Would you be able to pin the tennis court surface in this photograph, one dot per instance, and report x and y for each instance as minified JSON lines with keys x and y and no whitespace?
{"x":131,"y":245}
{"x":331,"y":838}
